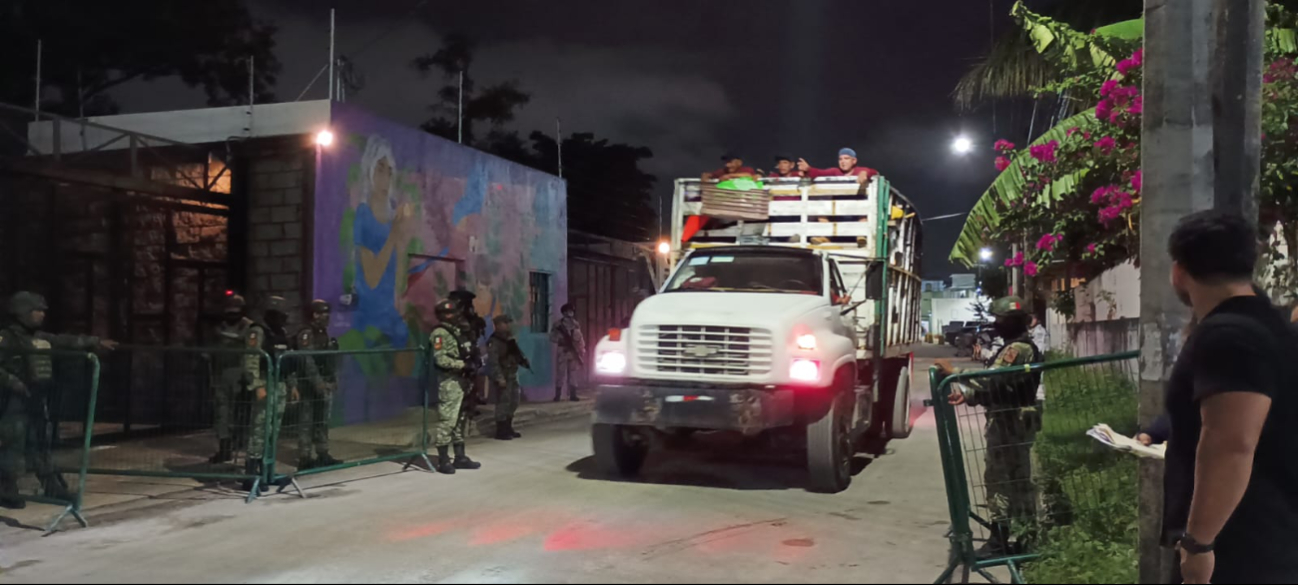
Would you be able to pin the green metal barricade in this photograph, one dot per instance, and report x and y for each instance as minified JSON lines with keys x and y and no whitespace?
{"x":349,"y":408}
{"x":1019,"y":471}
{"x":182,"y":412}
{"x":45,"y":429}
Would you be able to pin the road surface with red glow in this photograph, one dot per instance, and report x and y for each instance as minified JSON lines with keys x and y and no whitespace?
{"x":536,"y":513}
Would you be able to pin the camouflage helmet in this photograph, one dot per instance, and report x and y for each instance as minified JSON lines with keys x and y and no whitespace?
{"x":447,"y":310}
{"x":320,"y":306}
{"x":1009,"y":307}
{"x":235,"y":303}
{"x":23,"y":303}
{"x":274,"y":304}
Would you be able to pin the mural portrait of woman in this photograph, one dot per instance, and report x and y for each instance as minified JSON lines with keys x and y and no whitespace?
{"x":380,"y":231}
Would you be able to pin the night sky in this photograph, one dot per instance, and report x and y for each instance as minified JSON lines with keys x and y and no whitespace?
{"x":688,"y":79}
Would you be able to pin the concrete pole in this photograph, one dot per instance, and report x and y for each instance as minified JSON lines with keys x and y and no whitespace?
{"x":332,"y":30}
{"x":1194,"y":158}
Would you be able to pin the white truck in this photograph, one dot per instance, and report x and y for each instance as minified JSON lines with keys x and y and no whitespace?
{"x":793,"y":312}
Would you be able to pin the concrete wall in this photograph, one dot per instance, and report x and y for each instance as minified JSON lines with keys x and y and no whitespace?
{"x":948,"y":310}
{"x":402,"y":217}
{"x":278,"y":188}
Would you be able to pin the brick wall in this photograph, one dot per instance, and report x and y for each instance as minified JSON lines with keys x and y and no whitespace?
{"x":278,"y":189}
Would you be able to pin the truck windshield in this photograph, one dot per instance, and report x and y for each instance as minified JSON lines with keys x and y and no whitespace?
{"x":749,"y":272}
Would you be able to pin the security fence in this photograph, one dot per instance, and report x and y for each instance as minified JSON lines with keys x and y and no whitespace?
{"x":45,"y":422}
{"x":1021,"y":474}
{"x":344,"y":409}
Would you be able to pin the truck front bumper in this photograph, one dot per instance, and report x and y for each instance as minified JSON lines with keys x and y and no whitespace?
{"x":747,"y":410}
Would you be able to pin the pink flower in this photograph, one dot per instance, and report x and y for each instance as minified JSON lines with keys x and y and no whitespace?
{"x":1101,"y":195}
{"x":1103,"y":109}
{"x":1048,"y":241}
{"x":1090,"y":248}
{"x":1137,"y":106}
{"x":1125,"y":67}
{"x":1139,"y":57}
{"x":1109,"y":214}
{"x":1002,"y":163}
{"x":1108,"y":87}
{"x":1268,"y":78}
{"x":1072,"y":131}
{"x":1017,"y":260}
{"x":1137,"y":180}
{"x":1122,"y":200}
{"x":1004,"y":145}
{"x":1030,"y":269}
{"x":1045,"y":152}
{"x":1086,"y":134}
{"x":1106,"y":145}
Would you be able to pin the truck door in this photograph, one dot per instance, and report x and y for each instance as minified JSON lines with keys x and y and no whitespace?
{"x":842,"y":299}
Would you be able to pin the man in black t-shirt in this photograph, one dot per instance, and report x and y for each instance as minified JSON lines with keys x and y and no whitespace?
{"x":1231,"y":490}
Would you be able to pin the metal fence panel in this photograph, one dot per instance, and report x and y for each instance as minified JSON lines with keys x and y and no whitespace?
{"x":345,"y":409}
{"x":44,"y":438}
{"x":1016,"y":466}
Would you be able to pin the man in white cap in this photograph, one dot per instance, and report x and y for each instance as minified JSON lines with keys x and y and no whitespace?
{"x":847,"y":167}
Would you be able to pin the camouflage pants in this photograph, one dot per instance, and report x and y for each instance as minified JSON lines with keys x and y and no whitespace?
{"x":1008,"y":477}
{"x":507,"y":397}
{"x":13,"y":442}
{"x":314,"y":412}
{"x":224,"y":395}
{"x":566,"y":373}
{"x":260,"y":413}
{"x":450,"y":420}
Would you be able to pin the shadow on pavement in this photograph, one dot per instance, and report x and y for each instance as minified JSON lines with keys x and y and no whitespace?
{"x":718,"y":461}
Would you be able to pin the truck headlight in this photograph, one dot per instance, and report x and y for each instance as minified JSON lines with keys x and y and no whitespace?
{"x":807,"y":342}
{"x":613,"y":362}
{"x":805,"y":370}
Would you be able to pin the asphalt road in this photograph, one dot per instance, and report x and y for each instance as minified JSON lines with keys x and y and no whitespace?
{"x":537,"y":512}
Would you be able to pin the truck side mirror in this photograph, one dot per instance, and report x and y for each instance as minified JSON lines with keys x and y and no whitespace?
{"x":874,"y":282}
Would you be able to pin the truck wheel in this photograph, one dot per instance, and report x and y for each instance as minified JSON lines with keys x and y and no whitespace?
{"x":829,"y":447}
{"x":900,"y":425}
{"x":618,"y":450}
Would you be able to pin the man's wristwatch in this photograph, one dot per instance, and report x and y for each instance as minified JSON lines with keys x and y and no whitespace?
{"x":1192,"y":546}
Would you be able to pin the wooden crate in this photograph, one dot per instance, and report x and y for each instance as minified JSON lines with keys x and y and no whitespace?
{"x":754,"y":205}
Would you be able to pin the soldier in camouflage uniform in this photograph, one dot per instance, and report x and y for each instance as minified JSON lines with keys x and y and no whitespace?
{"x":566,"y":334}
{"x":271,"y":335}
{"x":451,"y":362}
{"x":25,"y":384}
{"x":1009,"y":402}
{"x":503,"y":360}
{"x":235,"y":376}
{"x":317,"y":383}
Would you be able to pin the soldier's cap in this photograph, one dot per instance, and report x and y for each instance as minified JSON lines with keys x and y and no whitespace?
{"x":234,"y":303}
{"x":1008,"y":307}
{"x":462,"y":295}
{"x":275,"y":304}
{"x":502,"y":319}
{"x":320,"y":306}
{"x":25,"y":302}
{"x":566,"y":308}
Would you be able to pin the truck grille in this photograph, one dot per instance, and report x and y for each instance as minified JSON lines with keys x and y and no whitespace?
{"x":705,"y":350}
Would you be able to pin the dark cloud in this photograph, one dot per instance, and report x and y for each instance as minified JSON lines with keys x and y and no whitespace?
{"x":688,"y":79}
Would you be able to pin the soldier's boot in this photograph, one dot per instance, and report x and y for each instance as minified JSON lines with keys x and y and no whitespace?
{"x":998,"y":542}
{"x":224,"y":452}
{"x":253,"y":468}
{"x":558,"y":394}
{"x":54,"y":487}
{"x":324,"y":459}
{"x":462,"y":461}
{"x":572,"y":396}
{"x":9,"y":497}
{"x":444,"y":464}
{"x":502,"y":431}
{"x":513,"y":432}
{"x":305,"y":462}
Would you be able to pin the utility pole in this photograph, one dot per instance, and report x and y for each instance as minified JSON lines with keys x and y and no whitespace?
{"x":558,"y":143}
{"x":459,"y":116}
{"x":331,"y":54}
{"x":39,"y":50}
{"x":1193,"y":158}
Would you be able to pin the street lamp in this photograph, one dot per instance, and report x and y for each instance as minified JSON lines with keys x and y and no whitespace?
{"x":962,"y":145}
{"x":324,"y":138}
{"x":985,"y":254}
{"x":664,"y":248}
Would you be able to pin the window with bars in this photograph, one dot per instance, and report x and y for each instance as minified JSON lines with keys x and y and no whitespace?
{"x":540,"y":302}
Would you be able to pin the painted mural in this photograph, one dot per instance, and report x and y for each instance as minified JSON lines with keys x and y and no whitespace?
{"x":401,"y":219}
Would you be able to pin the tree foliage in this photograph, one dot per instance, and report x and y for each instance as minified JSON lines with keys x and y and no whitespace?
{"x":89,"y":48}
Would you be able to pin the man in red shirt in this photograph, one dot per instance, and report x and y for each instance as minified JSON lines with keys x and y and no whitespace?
{"x":847,"y":167}
{"x":733,"y":169}
{"x":785,"y":168}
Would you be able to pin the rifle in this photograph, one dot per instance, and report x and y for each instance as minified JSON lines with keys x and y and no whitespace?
{"x":571,"y":344}
{"x":517,"y":352}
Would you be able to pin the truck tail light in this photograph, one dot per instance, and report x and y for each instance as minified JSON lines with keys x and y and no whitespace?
{"x":805,"y":370}
{"x":615,"y":335}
